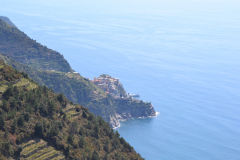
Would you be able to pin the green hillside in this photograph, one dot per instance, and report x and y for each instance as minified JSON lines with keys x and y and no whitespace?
{"x":75,"y":87}
{"x":36,"y":123}
{"x":80,"y":90}
{"x":19,"y":46}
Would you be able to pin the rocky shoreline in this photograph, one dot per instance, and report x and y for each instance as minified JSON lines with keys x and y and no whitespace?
{"x":131,"y":114}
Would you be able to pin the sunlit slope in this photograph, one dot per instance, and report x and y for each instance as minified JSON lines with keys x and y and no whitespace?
{"x":36,"y":123}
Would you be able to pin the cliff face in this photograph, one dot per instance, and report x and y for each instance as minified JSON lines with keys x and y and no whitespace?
{"x":125,"y":110}
{"x":128,"y":114}
{"x":131,"y":113}
{"x":114,"y":121}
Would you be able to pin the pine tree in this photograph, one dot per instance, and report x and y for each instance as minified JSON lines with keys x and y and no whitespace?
{"x":2,"y":122}
{"x":70,"y":139}
{"x":38,"y":129}
{"x":95,"y":155}
{"x":14,"y":126}
{"x":81,"y":131}
{"x":20,"y":120}
{"x":81,"y":142}
{"x":106,"y":146}
{"x":84,"y":114}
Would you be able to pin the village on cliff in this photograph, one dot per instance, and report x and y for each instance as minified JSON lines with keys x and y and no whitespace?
{"x":111,"y":86}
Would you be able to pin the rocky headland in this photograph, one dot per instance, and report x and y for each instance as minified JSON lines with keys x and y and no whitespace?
{"x":126,"y":107}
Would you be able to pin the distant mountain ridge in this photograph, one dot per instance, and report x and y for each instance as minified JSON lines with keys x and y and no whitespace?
{"x":7,"y":20}
{"x":19,"y":46}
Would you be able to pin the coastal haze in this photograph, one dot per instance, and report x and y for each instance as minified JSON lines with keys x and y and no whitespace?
{"x":183,"y":57}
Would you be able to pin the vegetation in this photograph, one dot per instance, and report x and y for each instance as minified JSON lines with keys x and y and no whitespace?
{"x":19,"y":46}
{"x":30,"y":113}
{"x":7,"y":20}
{"x":78,"y":89}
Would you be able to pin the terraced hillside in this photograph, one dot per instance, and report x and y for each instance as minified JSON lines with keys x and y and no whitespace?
{"x":29,"y":112}
{"x":70,"y":112}
{"x":38,"y":149}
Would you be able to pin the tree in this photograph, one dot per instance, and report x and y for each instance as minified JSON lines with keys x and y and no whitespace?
{"x":95,"y":155}
{"x":25,"y":75}
{"x":117,"y":134}
{"x":106,"y":157}
{"x":20,"y":120}
{"x":44,"y":89}
{"x":58,"y":124}
{"x":2,"y":122}
{"x":73,"y":128}
{"x":19,"y":150}
{"x":38,"y":129}
{"x":89,"y":157}
{"x":68,"y":150}
{"x":7,"y":149}
{"x":8,"y":92}
{"x":6,"y":134}
{"x":84,"y":156}
{"x":26,"y":116}
{"x":64,"y":116}
{"x":106,"y":146}
{"x":91,"y":117}
{"x":81,"y":131}
{"x":96,"y":130}
{"x":14,"y":126}
{"x":13,"y":103}
{"x":4,"y":105}
{"x":51,"y":108}
{"x":70,"y":139}
{"x":84,"y":114}
{"x":60,"y":97}
{"x":81,"y":142}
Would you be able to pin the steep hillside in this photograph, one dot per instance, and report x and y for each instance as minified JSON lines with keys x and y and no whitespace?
{"x":36,"y":123}
{"x":19,"y":46}
{"x":7,"y":20}
{"x":80,"y":90}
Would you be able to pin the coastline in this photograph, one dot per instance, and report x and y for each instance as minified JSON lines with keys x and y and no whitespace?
{"x":125,"y":119}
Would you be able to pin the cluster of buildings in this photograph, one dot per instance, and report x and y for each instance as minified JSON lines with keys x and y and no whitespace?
{"x":107,"y":84}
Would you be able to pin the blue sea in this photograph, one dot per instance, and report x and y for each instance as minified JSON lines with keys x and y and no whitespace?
{"x":182,"y":56}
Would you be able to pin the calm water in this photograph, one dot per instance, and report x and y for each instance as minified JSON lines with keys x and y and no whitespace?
{"x":183,"y":57}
